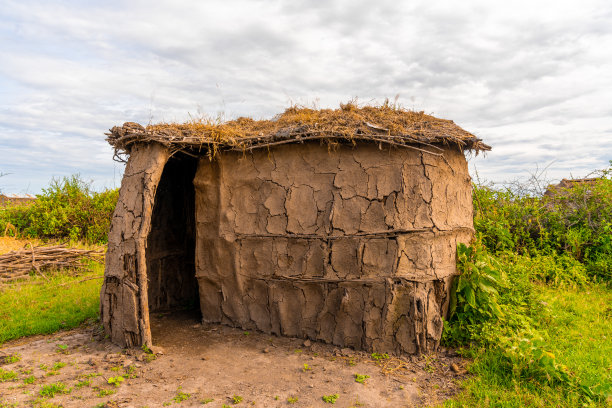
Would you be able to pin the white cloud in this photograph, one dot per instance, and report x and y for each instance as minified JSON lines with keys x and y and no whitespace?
{"x":531,"y":78}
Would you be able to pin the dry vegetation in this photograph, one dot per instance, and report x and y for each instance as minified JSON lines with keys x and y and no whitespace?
{"x":20,"y":263}
{"x":8,"y":244}
{"x":387,"y":124}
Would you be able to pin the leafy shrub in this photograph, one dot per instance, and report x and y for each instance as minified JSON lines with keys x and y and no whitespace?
{"x":474,"y":297}
{"x":556,"y":270}
{"x":67,"y":209}
{"x":575,"y":222}
{"x":474,"y":294}
{"x":496,"y":307}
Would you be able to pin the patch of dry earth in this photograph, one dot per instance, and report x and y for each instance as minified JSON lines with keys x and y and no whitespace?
{"x":214,"y":362}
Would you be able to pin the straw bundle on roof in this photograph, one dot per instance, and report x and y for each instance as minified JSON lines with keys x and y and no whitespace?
{"x":381,"y":124}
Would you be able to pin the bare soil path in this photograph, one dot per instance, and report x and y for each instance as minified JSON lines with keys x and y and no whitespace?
{"x":213,"y":366}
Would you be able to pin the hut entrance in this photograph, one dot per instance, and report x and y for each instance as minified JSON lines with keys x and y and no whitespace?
{"x":170,"y":252}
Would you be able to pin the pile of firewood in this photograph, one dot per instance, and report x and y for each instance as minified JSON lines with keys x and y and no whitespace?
{"x":19,"y":264}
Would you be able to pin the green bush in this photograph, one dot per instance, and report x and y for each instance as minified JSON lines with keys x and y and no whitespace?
{"x":576,"y":222}
{"x":67,"y":209}
{"x":525,"y":243}
{"x":496,"y":308}
{"x":474,"y":295}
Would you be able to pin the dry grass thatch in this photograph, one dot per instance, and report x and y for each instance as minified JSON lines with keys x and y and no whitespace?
{"x":350,"y":123}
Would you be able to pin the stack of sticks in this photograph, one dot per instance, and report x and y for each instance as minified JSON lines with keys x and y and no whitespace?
{"x":18,"y":264}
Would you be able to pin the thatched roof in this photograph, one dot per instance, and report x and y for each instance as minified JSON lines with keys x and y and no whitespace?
{"x":565,"y":185}
{"x":350,"y":123}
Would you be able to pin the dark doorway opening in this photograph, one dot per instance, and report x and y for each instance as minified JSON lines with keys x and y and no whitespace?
{"x":170,"y":253}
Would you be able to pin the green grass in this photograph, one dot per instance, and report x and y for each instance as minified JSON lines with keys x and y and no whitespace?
{"x":116,"y":381}
{"x":35,"y":306}
{"x":578,"y":323}
{"x":330,"y":399}
{"x":180,"y":397}
{"x":58,"y":365}
{"x":82,"y":383}
{"x":580,"y":329}
{"x":13,"y":358}
{"x":29,"y":380}
{"x":379,"y":357}
{"x":50,"y":390}
{"x":104,"y":392}
{"x":7,"y":375}
{"x":361,"y":378}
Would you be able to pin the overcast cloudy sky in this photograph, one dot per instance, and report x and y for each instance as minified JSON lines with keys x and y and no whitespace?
{"x":533,"y":78}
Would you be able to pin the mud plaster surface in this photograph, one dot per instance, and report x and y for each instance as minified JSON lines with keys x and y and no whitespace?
{"x":124,"y":307}
{"x":217,"y":362}
{"x":355,"y":247}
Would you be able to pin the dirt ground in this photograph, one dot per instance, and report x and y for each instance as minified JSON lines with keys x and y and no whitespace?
{"x":215,"y":366}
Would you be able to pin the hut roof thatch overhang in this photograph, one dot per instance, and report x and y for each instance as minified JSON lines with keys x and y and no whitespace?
{"x":350,"y":123}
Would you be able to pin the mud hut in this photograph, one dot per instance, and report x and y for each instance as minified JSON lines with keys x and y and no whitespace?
{"x":334,"y":225}
{"x":565,"y":186}
{"x":14,"y":199}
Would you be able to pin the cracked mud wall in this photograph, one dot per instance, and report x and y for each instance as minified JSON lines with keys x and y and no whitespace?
{"x":124,"y":306}
{"x":354,"y":247}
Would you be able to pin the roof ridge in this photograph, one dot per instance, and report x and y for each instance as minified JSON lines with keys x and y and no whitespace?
{"x":382,"y":124}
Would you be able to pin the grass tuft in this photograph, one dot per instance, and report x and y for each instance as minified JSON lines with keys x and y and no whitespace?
{"x":6,"y":375}
{"x":11,"y":359}
{"x":49,"y":390}
{"x":361,"y":378}
{"x":330,"y":399}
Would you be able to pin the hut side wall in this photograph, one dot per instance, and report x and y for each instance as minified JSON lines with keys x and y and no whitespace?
{"x":171,"y":243}
{"x":124,"y":307}
{"x":355,"y":247}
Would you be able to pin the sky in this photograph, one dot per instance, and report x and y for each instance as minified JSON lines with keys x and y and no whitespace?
{"x":533,"y":79}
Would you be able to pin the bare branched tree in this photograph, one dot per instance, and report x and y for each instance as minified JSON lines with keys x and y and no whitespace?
{"x":2,"y":175}
{"x":535,"y":185}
